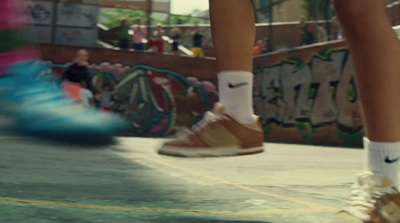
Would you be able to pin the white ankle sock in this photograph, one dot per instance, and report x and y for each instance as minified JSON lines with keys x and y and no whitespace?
{"x":383,"y":158}
{"x":236,"y":93}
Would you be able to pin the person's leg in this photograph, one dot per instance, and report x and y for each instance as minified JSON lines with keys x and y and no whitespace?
{"x":375,"y":51}
{"x":233,"y":32}
{"x":231,"y":128}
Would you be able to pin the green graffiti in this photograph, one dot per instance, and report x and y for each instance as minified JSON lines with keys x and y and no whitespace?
{"x":267,"y":128}
{"x":324,"y":54}
{"x":312,"y":93}
{"x":350,"y":139}
{"x":306,"y":130}
{"x":352,"y":91}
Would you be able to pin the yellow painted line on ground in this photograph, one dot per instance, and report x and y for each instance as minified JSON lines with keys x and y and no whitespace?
{"x":162,"y":210}
{"x":246,"y":188}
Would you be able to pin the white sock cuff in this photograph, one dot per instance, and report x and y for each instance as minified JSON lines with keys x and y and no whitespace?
{"x":382,"y":158}
{"x":234,"y":74}
{"x":368,"y":144}
{"x":235,"y":92}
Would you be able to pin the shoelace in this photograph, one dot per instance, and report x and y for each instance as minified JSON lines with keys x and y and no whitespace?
{"x":208,"y":117}
{"x":364,"y":197}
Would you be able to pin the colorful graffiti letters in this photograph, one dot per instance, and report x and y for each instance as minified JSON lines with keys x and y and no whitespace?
{"x":317,"y":93}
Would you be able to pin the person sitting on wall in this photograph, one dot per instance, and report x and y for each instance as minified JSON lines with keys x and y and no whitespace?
{"x":302,"y":28}
{"x":87,"y":95}
{"x":75,"y":74}
{"x":322,"y":35}
{"x":157,"y":41}
{"x":197,"y":38}
{"x":308,"y":35}
{"x":258,"y":47}
{"x":175,"y":36}
{"x":264,"y":48}
{"x":139,"y":34}
{"x":105,"y":97}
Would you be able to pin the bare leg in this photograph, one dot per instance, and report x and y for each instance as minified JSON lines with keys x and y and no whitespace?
{"x":375,"y":51}
{"x":233,"y":31}
{"x":235,"y":130}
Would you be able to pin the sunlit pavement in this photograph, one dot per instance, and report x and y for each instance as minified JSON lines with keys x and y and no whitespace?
{"x":129,"y":182}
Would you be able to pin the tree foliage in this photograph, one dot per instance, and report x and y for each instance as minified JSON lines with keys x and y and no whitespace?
{"x":179,"y":19}
{"x":318,"y":9}
{"x":267,"y":9}
{"x":114,"y":18}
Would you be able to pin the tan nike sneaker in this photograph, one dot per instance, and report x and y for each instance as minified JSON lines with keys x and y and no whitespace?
{"x":373,"y":199}
{"x":217,"y":134}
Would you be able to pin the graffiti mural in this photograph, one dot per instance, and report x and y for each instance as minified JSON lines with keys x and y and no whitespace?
{"x":306,"y":95}
{"x":38,"y":12}
{"x":155,"y":101}
{"x":312,"y":101}
{"x":38,"y":16}
{"x":76,"y":24}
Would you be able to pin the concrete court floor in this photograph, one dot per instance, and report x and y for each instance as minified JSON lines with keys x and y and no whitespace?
{"x":43,"y":182}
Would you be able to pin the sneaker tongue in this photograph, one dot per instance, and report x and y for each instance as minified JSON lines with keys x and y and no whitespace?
{"x":219,"y":109}
{"x":374,"y":180}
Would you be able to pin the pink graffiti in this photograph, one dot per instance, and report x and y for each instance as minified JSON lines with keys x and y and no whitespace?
{"x":118,"y":69}
{"x":71,"y":36}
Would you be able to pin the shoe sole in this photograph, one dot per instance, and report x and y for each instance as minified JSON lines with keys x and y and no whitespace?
{"x":207,"y":152}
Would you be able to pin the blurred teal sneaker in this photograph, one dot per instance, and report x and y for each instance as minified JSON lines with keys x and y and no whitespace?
{"x":38,"y":108}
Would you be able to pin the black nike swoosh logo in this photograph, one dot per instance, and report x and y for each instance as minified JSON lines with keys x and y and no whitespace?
{"x":388,"y":160}
{"x":232,"y":86}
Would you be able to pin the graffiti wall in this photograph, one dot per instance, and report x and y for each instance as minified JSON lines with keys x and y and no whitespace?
{"x":306,"y":96}
{"x":309,"y":96}
{"x":155,"y":101}
{"x":75,"y":24}
{"x":38,"y":15}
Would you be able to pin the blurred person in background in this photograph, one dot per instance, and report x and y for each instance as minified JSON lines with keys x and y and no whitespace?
{"x":258,"y":48}
{"x":139,"y":34}
{"x":87,"y":95}
{"x":156,"y":42}
{"x":265,"y":45}
{"x":124,"y":37}
{"x":337,"y":32}
{"x":105,"y":98}
{"x":309,"y":35}
{"x":302,"y":28}
{"x":322,"y":35}
{"x":175,"y":36}
{"x":75,"y":74}
{"x":197,"y":38}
